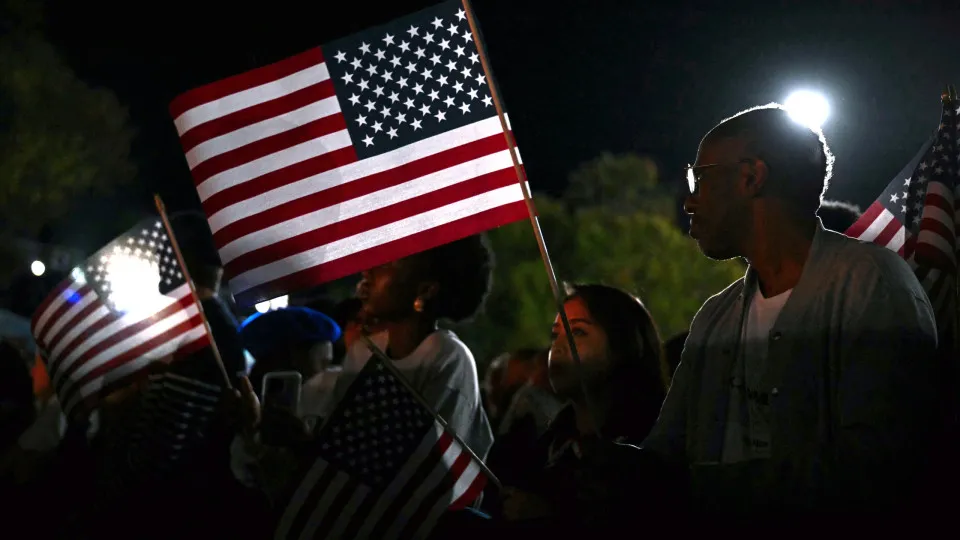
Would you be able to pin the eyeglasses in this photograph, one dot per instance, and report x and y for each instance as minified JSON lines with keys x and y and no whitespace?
{"x":694,"y":177}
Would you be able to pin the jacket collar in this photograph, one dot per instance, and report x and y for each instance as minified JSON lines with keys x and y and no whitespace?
{"x":822,"y":239}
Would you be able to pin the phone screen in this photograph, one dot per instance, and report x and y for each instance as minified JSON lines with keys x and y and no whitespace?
{"x":282,"y":391}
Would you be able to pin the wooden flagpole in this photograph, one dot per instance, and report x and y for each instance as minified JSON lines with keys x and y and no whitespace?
{"x":951,"y":97}
{"x":436,"y":416}
{"x":531,"y":210}
{"x":193,"y":289}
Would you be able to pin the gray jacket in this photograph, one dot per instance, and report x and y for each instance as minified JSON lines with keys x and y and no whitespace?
{"x":850,"y":370}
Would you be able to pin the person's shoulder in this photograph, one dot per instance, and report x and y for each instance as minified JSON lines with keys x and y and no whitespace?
{"x":868,"y":263}
{"x":718,"y":302}
{"x":446,"y":347}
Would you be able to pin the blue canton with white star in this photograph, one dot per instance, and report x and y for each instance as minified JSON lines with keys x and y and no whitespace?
{"x":413,"y":78}
{"x":376,"y":427}
{"x":905,"y":196}
{"x":147,"y":242}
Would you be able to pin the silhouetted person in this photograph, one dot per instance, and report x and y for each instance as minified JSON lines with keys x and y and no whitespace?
{"x":838,"y":215}
{"x":807,"y":384}
{"x":672,"y":350}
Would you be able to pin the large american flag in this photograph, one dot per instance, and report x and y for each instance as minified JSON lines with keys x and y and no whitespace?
{"x":123,"y":308}
{"x":386,"y":468}
{"x":916,"y":216}
{"x":362,"y":151}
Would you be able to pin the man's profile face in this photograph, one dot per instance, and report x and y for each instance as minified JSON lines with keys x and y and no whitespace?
{"x":719,"y":211}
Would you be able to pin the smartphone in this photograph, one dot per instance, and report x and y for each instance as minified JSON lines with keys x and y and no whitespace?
{"x":280,"y":407}
{"x":281,"y":390}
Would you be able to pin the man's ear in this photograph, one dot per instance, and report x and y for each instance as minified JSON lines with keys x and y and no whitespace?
{"x":755,"y":180}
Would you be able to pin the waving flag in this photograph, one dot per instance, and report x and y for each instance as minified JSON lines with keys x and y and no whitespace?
{"x":386,"y":468}
{"x":166,"y":426}
{"x":126,"y":306}
{"x":916,"y":216}
{"x":365,"y":150}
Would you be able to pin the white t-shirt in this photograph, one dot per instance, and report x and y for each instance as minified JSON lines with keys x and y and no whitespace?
{"x":443,"y":371}
{"x":747,"y":433}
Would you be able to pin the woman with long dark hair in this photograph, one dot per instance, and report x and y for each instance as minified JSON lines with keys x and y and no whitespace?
{"x":579,"y":474}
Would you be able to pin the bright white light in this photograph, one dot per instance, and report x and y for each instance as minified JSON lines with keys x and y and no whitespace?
{"x":276,"y":303}
{"x":38,"y":268}
{"x":133,"y":283}
{"x":280,"y":302}
{"x":808,"y":108}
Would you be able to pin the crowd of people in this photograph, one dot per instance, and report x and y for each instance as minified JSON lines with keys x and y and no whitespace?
{"x":814,"y":386}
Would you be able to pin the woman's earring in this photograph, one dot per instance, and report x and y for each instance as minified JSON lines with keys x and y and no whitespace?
{"x":418,"y":305}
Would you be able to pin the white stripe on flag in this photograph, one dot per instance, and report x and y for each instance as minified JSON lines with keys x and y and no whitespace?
{"x":299,"y":497}
{"x":431,"y":482}
{"x":363,"y":204}
{"x":877,"y":226}
{"x":898,"y":240}
{"x":376,"y":237}
{"x":261,"y":130}
{"x":123,"y":322}
{"x":202,"y":114}
{"x":320,"y":511}
{"x":422,"y":453}
{"x":131,"y":367}
{"x":158,"y":328}
{"x":282,"y":159}
{"x":53,"y":307}
{"x":443,"y":503}
{"x":351,"y":172}
{"x":76,"y":330}
{"x":68,"y":316}
{"x":343,"y":520}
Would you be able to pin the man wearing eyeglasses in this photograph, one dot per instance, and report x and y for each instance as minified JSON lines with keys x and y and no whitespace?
{"x":806,"y":385}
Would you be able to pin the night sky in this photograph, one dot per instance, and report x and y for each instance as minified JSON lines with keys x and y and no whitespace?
{"x":577,"y":81}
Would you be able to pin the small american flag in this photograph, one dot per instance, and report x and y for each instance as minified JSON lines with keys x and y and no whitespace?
{"x":916,"y":216}
{"x":386,"y":468}
{"x":123,"y":308}
{"x":172,"y":417}
{"x":365,"y":150}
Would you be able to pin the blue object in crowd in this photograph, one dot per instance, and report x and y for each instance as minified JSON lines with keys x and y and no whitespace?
{"x":262,"y":332}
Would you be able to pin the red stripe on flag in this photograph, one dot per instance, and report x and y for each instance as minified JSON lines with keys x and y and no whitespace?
{"x":59,"y":290}
{"x":385,"y":253}
{"x":123,"y":334}
{"x":269,"y":145}
{"x":866,"y":220}
{"x":81,"y":337}
{"x":279,"y":178}
{"x":472,"y":492}
{"x":888,"y":233}
{"x":281,"y":248}
{"x":257,"y":113}
{"x":244,"y":81}
{"x":58,"y":314}
{"x":133,"y":354}
{"x":362,"y":186}
{"x":77,"y":318}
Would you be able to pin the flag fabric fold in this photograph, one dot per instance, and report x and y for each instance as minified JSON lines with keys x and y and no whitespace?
{"x":122,"y":309}
{"x":917,"y":216}
{"x":349,"y":155}
{"x":385,"y":468}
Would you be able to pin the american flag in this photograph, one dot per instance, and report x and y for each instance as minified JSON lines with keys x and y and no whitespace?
{"x":171,"y":418}
{"x":362,"y":151}
{"x":386,"y":468}
{"x":120,"y":310}
{"x":916,"y":216}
